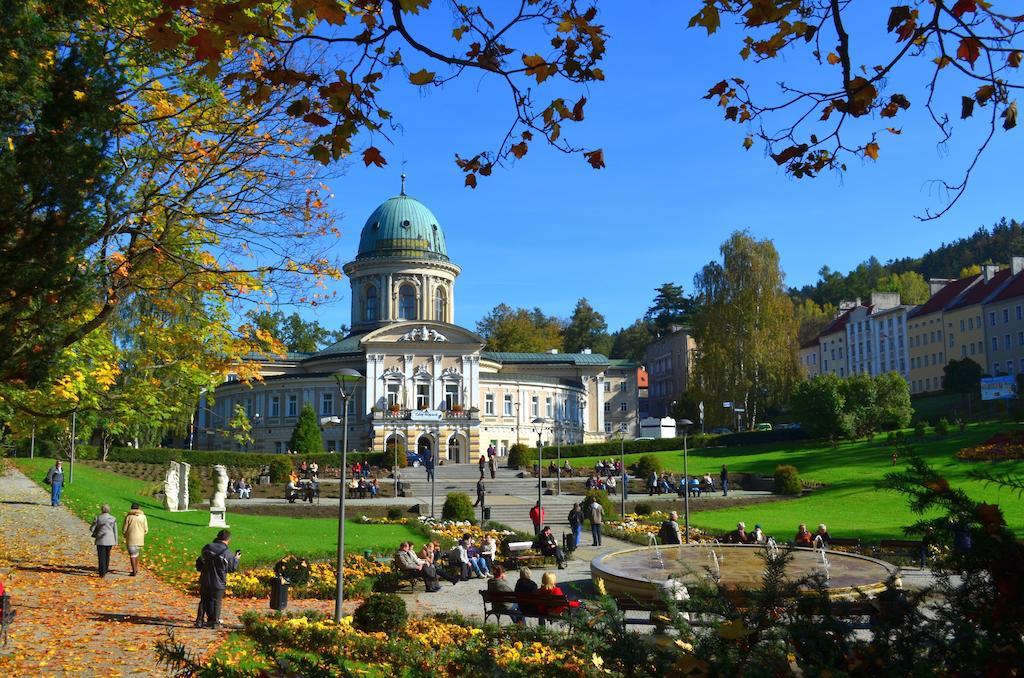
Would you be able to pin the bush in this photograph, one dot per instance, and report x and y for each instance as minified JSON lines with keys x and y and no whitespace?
{"x":643,"y":509}
{"x":306,"y":436}
{"x":601,"y":497}
{"x":280,"y":469}
{"x":195,"y":487}
{"x":787,"y":480}
{"x":294,"y":569}
{"x":919,"y":429}
{"x":457,"y":506}
{"x":381,"y":612}
{"x":942,"y":427}
{"x":394,"y":513}
{"x":646,"y":465}
{"x":521,"y":456}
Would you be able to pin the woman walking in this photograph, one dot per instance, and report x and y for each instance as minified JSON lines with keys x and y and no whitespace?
{"x":134,"y":532}
{"x":104,"y":533}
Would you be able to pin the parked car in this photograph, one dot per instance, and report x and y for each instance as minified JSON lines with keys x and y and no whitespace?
{"x":413,"y":459}
{"x":721,"y":430}
{"x":763,"y":426}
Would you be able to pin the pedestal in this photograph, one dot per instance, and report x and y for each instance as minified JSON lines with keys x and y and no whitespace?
{"x":217,"y":518}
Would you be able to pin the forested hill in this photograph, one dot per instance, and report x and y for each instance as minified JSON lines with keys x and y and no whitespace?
{"x":986,"y":245}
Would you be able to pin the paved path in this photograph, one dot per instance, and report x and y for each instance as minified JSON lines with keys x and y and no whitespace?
{"x":71,"y":622}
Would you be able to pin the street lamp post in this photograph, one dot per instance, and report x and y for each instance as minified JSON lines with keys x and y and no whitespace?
{"x":625,"y":477}
{"x":347,"y":379}
{"x":558,"y":453}
{"x":686,"y":424}
{"x":540,"y":421}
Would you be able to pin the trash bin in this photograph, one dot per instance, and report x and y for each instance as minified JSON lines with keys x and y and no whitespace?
{"x":278,"y":593}
{"x":487,"y":513}
{"x":568,"y":542}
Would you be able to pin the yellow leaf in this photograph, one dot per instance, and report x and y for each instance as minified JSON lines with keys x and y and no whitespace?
{"x":79,"y":95}
{"x":422,"y":77}
{"x":832,"y":58}
{"x":748,"y":142}
{"x":871,"y":150}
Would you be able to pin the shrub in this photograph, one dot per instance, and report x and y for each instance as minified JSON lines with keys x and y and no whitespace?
{"x":646,"y":465}
{"x":521,"y":456}
{"x":394,"y":513}
{"x":306,"y":437}
{"x":457,"y":506}
{"x":381,"y":612}
{"x":294,"y":569}
{"x":787,"y":480}
{"x":942,"y":427}
{"x":195,"y":487}
{"x":601,"y":497}
{"x":280,"y":469}
{"x":919,"y":429}
{"x":643,"y":509}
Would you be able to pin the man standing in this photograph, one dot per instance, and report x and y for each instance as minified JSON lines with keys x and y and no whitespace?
{"x":596,"y":519}
{"x":537,"y":517}
{"x":576,"y":523}
{"x":428,"y":464}
{"x":480,"y":491}
{"x":214,"y":564}
{"x":104,"y":533}
{"x":492,"y":460}
{"x":724,"y":478}
{"x":134,"y":532}
{"x":55,"y":479}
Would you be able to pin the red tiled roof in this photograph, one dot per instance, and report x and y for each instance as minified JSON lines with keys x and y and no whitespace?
{"x":978,"y":293}
{"x":837,"y":324}
{"x":1015,"y":288}
{"x":944,"y":296}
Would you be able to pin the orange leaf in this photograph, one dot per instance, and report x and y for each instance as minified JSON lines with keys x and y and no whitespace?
{"x":595,"y":158}
{"x":471,"y":180}
{"x":519,"y":150}
{"x":422,"y":77}
{"x":1013,"y":61}
{"x":963,"y":7}
{"x":372,"y":156}
{"x":871,"y":150}
{"x":969,"y":50}
{"x":536,"y":66}
{"x":832,"y":58}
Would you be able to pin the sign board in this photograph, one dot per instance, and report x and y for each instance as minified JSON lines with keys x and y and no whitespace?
{"x":727,"y":404}
{"x":426,"y":415}
{"x":998,"y":388}
{"x":739,"y":410}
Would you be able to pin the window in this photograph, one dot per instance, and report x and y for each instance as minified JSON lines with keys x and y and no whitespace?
{"x":623,"y":427}
{"x":1020,"y":312}
{"x":549,"y":407}
{"x":441,"y":305}
{"x":623,"y":387}
{"x":275,"y":402}
{"x":326,"y":404}
{"x":977,"y":321}
{"x":970,"y":323}
{"x":489,"y":403}
{"x":972,"y":348}
{"x":422,"y":396}
{"x":995,"y":343}
{"x":961,"y":325}
{"x":996,"y":368}
{"x":277,"y":447}
{"x":370,"y":304}
{"x":607,"y":386}
{"x":392,"y":392}
{"x":1006,"y":315}
{"x":607,"y":427}
{"x":607,"y":408}
{"x":407,"y":302}
{"x":623,"y":407}
{"x":1022,"y":364}
{"x":293,"y":406}
{"x":1006,"y":342}
{"x":992,"y":318}
{"x":963,"y":351}
{"x":535,"y":406}
{"x":1009,"y":367}
{"x":940,"y":357}
{"x":451,"y":395}
{"x":508,"y":405}
{"x":1020,"y":338}
{"x":951,"y":340}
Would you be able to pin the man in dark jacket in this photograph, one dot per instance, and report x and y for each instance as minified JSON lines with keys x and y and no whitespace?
{"x":214,"y":564}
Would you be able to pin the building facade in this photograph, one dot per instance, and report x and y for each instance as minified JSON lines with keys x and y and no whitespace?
{"x":669,"y":362}
{"x":427,"y":384}
{"x":624,"y":382}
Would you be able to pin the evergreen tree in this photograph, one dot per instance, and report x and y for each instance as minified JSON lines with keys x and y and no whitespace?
{"x":586,"y":329}
{"x":670,"y":307}
{"x":306,"y":438}
{"x":630,"y":343}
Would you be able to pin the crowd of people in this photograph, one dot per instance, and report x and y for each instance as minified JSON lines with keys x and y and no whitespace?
{"x":803,"y":538}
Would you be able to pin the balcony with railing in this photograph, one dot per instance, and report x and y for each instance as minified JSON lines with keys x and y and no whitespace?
{"x":406,"y":414}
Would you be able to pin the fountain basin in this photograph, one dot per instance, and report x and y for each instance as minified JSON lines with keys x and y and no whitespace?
{"x":640,"y":573}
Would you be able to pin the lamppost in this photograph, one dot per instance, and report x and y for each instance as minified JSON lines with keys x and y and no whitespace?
{"x":540,"y":421}
{"x":625,"y":476}
{"x":558,"y":453}
{"x":347,"y":379}
{"x":686,"y":424}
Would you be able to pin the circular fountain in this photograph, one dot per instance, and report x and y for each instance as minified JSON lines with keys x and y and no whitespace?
{"x":642,"y":573}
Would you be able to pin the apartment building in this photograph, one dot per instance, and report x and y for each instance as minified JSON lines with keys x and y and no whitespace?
{"x":964,"y":332}
{"x":833,"y":343}
{"x":927,"y":332}
{"x":808,"y":354}
{"x":1004,"y":324}
{"x":624,"y":383}
{"x":669,"y":361}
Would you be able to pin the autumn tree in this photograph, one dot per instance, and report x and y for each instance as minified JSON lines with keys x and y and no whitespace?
{"x":296,"y":333}
{"x":520,"y":329}
{"x":852,"y":103}
{"x":630,"y":343}
{"x":745,"y":330}
{"x":670,"y":307}
{"x":811,"y":319}
{"x":586,"y":329}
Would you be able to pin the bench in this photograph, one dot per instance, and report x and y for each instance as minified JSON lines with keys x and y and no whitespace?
{"x":529,"y":600}
{"x":907,"y":545}
{"x":408,"y":578}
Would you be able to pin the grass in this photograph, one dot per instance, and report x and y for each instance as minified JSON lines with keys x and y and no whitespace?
{"x":175,"y":539}
{"x":851,"y":504}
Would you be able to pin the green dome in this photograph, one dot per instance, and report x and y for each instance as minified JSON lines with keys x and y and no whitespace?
{"x":402,"y":227}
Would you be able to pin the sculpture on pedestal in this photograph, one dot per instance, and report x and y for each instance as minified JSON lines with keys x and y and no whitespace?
{"x":183,"y":498}
{"x":171,"y":487}
{"x":220,"y":493}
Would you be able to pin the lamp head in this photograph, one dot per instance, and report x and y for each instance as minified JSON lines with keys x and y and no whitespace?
{"x":684,"y":422}
{"x":347,"y":379}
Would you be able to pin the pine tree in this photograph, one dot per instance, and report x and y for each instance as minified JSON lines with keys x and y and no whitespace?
{"x":586,"y":329}
{"x":306,"y":438}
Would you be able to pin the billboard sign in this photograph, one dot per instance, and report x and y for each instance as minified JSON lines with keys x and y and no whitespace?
{"x":998,"y":388}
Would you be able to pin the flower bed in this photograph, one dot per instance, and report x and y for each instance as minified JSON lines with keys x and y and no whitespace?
{"x":1000,"y":447}
{"x":322,"y":582}
{"x":638,"y":528}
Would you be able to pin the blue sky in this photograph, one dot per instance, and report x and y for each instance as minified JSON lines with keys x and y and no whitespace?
{"x":550,"y":229}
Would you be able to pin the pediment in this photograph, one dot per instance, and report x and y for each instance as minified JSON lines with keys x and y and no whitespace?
{"x":419,"y":334}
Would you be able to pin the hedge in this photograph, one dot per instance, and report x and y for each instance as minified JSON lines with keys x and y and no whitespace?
{"x":695,"y":441}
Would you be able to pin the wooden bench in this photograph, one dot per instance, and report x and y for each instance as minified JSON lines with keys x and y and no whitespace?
{"x":907,"y":545}
{"x":408,"y":577}
{"x":525,"y":602}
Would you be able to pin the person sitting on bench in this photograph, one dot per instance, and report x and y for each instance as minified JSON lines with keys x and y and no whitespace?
{"x":803,"y":537}
{"x":526,"y":585}
{"x":549,"y":586}
{"x":309,"y":490}
{"x":244,"y":489}
{"x":822,"y":532}
{"x":549,"y":546}
{"x":406,"y":561}
{"x":498,"y":584}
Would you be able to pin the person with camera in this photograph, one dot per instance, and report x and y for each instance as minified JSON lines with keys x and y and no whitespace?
{"x":214,"y":564}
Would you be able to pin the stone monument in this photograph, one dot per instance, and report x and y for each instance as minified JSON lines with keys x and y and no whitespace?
{"x":183,"y":471}
{"x":218,"y":510}
{"x":176,"y":486}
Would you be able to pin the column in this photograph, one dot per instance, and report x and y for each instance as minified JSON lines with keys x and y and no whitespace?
{"x":437,"y":385}
{"x":409,"y":386}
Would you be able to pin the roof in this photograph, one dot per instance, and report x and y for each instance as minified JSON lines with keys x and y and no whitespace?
{"x":506,"y":357}
{"x":349,"y":344}
{"x":811,"y":343}
{"x":402,"y":227}
{"x":1014,"y":288}
{"x":945,"y":296}
{"x":837,"y":324}
{"x":982,"y":290}
{"x":290,"y":355}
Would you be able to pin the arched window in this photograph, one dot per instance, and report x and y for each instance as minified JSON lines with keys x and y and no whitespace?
{"x":370,"y":304}
{"x":441,"y":305}
{"x":407,"y":302}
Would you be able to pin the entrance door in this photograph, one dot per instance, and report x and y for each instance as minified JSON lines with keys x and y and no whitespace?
{"x":425,"y":448}
{"x":454,"y":450}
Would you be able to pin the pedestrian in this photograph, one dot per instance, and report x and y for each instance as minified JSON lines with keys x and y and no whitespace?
{"x":895,"y":456}
{"x":537,"y":517}
{"x":492,"y":460}
{"x":596,"y":519}
{"x":214,"y":564}
{"x":134,"y":532}
{"x":483,"y":464}
{"x":55,"y":479}
{"x":724,"y":478}
{"x":428,"y":465}
{"x":480,"y":491}
{"x":576,"y":523}
{"x":104,"y":533}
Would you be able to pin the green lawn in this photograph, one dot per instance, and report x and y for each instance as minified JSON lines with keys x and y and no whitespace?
{"x":175,"y":539}
{"x":850,"y":503}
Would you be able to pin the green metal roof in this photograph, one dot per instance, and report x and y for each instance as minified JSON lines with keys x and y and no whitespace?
{"x":546,"y":358}
{"x":349,"y":344}
{"x":402,"y":227}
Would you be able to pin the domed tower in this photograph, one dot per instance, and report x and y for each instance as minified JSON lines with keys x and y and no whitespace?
{"x":401,"y":271}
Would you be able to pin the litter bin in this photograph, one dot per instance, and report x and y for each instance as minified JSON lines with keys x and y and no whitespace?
{"x":278,"y":593}
{"x":568,"y":542}
{"x":487,"y":513}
